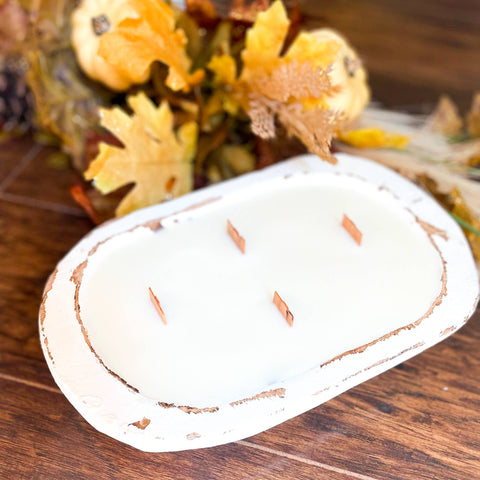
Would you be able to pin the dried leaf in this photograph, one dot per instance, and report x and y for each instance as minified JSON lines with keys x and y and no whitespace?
{"x":265,"y":154}
{"x":219,"y":44}
{"x":238,"y":158}
{"x":66,"y":105}
{"x":228,"y":161}
{"x":208,"y":143}
{"x":461,"y":210}
{"x":247,"y":13}
{"x":314,"y":127}
{"x":202,"y":11}
{"x":296,"y":20}
{"x":445,"y":119}
{"x":474,"y":161}
{"x":135,"y":43}
{"x":473,"y":117}
{"x":103,"y":206}
{"x":153,"y":154}
{"x":297,"y":121}
{"x":291,"y":88}
{"x":193,"y":33}
{"x":292,"y":80}
{"x":262,"y":114}
{"x":455,"y":203}
{"x":373,"y":138}
{"x":79,"y":195}
{"x":13,"y":26}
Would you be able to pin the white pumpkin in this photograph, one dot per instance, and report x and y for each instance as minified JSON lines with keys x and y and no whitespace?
{"x":349,"y":74}
{"x":90,"y":20}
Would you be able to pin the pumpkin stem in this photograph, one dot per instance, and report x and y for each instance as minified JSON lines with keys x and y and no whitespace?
{"x":100,"y":24}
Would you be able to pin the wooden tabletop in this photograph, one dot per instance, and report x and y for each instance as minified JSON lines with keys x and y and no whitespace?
{"x":420,"y":420}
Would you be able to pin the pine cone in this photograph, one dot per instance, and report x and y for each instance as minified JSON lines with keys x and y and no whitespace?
{"x":16,"y":101}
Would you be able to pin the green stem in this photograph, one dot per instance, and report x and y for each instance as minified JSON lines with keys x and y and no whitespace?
{"x":465,"y":224}
{"x":475,"y":171}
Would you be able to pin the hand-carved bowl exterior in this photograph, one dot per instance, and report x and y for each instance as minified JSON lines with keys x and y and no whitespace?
{"x":116,"y":407}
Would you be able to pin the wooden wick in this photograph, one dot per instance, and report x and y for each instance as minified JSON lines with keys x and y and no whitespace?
{"x":352,"y":229}
{"x":236,"y":237}
{"x":283,"y":308}
{"x":157,"y":306}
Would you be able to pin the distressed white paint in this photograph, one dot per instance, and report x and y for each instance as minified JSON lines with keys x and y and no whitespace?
{"x":225,"y":340}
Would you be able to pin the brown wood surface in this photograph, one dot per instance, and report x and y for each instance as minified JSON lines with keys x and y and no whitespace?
{"x":414,"y":50}
{"x":420,"y":420}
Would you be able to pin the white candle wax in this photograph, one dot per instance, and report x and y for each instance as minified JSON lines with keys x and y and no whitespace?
{"x":225,"y":340}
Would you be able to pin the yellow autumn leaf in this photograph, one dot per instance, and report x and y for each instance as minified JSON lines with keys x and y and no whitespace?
{"x":295,"y":76}
{"x":135,"y":43}
{"x":225,"y":69}
{"x":291,"y":88}
{"x":373,"y":138}
{"x":264,"y":41}
{"x":155,"y":158}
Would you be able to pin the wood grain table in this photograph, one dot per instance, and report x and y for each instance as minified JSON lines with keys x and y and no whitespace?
{"x":420,"y":420}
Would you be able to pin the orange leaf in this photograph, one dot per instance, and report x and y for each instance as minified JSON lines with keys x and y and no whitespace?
{"x":135,"y":43}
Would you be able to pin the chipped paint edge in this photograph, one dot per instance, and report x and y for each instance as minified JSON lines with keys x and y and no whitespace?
{"x":345,"y":383}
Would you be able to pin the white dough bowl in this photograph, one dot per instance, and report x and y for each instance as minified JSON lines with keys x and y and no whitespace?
{"x":227,"y":365}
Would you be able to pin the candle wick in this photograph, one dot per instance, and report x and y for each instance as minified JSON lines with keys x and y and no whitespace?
{"x":156,"y":304}
{"x":236,"y":237}
{"x":283,"y":308}
{"x":352,"y":229}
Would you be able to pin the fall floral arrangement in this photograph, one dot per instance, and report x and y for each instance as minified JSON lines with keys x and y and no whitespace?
{"x":141,"y":92}
{"x":150,"y":100}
